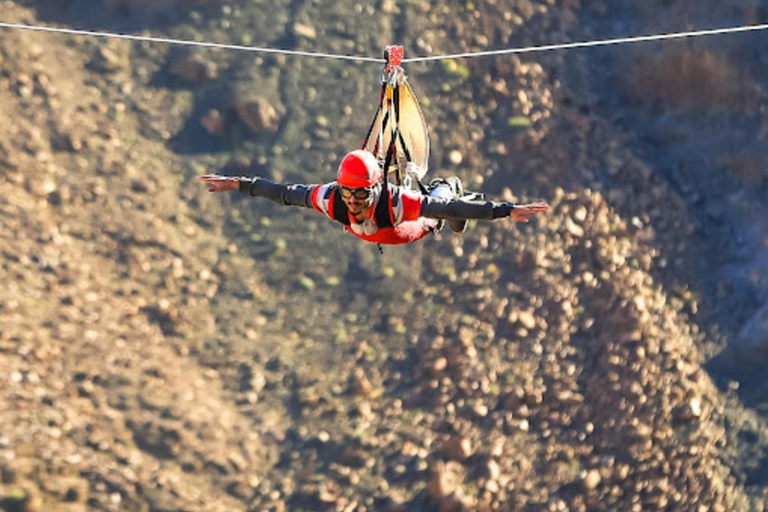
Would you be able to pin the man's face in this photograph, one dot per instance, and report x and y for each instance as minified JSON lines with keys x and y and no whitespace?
{"x":356,"y":199}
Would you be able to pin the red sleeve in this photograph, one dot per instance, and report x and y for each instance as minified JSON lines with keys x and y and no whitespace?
{"x":317,"y":198}
{"x":411,"y":205}
{"x":313,"y":198}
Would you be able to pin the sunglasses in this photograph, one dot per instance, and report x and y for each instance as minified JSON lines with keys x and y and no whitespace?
{"x":359,"y":193}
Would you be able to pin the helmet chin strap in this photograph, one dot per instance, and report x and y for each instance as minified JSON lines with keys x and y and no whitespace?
{"x":375,"y":189}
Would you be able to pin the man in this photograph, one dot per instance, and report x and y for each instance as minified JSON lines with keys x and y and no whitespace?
{"x":376,"y":211}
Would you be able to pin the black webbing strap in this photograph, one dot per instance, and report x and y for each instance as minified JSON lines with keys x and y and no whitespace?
{"x":340,"y":210}
{"x":383,"y":214}
{"x":404,"y":145}
{"x":422,"y":188}
{"x":384,"y":123}
{"x":373,"y":123}
{"x":396,"y":130}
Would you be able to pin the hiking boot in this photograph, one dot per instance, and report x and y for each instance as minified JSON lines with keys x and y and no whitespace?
{"x":457,"y":188}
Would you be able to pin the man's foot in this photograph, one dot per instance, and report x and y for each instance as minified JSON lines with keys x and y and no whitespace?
{"x":457,"y":188}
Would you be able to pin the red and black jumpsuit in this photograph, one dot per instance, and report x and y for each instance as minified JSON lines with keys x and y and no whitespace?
{"x":397,"y":215}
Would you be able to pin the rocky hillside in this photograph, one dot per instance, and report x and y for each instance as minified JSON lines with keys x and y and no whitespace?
{"x":163,"y":349}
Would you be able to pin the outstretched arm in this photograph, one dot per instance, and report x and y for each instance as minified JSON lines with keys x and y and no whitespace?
{"x":294,"y":195}
{"x":459,"y":210}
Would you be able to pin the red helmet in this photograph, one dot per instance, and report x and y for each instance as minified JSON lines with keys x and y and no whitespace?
{"x":359,"y":169}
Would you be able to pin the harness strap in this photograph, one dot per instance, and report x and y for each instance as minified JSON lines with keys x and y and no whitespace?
{"x":404,"y":145}
{"x":422,"y":188}
{"x":395,"y":129}
{"x":373,"y":123}
{"x":383,"y":212}
{"x":339,"y":210}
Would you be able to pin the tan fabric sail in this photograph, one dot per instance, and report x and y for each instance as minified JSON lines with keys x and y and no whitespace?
{"x":413,"y":130}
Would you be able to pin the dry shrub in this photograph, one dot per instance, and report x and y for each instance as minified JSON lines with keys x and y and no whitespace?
{"x":688,"y":78}
{"x":151,"y":7}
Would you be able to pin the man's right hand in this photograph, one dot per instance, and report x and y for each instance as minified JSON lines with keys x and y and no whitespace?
{"x":219,"y":183}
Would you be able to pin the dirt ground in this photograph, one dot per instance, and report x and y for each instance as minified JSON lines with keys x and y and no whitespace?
{"x":164,"y":349}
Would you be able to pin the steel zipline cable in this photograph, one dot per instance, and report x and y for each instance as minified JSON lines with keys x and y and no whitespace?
{"x":507,"y":51}
{"x":183,"y":42}
{"x":599,"y":42}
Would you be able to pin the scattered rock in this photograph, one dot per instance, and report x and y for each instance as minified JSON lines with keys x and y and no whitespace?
{"x":195,"y":70}
{"x":446,"y":480}
{"x":353,"y":457}
{"x":258,"y":115}
{"x":107,"y":60}
{"x":457,"y":448}
{"x":213,"y":122}
{"x":306,"y":31}
{"x":161,"y":441}
{"x":591,"y":479}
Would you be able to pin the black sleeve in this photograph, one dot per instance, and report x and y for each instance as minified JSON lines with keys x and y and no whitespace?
{"x":290,"y":195}
{"x":457,"y":209}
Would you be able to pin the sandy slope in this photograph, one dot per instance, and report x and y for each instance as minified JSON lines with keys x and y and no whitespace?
{"x":162,"y":349}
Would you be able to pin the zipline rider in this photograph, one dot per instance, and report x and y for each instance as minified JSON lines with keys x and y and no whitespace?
{"x":374,"y":210}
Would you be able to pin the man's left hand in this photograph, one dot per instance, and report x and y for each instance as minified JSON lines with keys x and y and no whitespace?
{"x":520,"y":212}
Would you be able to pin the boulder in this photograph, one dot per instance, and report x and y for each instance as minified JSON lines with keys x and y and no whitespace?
{"x":258,"y":114}
{"x":195,"y":70}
